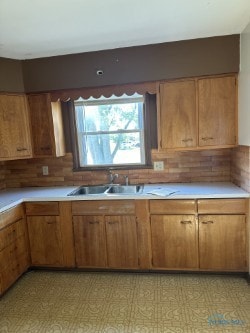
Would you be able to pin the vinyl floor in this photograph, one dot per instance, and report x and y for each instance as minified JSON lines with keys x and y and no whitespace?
{"x":78,"y":302}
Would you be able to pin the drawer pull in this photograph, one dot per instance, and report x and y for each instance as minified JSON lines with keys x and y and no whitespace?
{"x":207,"y":222}
{"x":45,"y":148}
{"x":186,"y":222}
{"x":206,"y":138}
{"x":21,"y":149}
{"x":93,"y":222}
{"x":187,"y":140}
{"x":114,"y":222}
{"x":51,"y":222}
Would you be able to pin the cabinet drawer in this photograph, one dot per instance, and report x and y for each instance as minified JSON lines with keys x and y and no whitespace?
{"x":10,"y":254}
{"x":104,"y":207}
{"x":11,"y":272}
{"x":172,"y":206}
{"x":9,"y":234}
{"x":222,"y":206}
{"x":42,"y":208}
{"x":11,"y":215}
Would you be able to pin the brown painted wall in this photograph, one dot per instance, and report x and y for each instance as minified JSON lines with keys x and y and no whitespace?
{"x":206,"y":56}
{"x":11,"y":76}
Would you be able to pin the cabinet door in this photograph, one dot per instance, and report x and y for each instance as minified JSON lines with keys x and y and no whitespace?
{"x":177,"y":119}
{"x":217,"y":111}
{"x":174,"y":241}
{"x":45,"y":240}
{"x":122,"y":249}
{"x":47,"y":127}
{"x":15,"y":138}
{"x":222,"y":242}
{"x":90,"y":242}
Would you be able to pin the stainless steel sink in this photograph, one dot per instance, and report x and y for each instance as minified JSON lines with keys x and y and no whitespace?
{"x":93,"y":189}
{"x":107,"y":189}
{"x":125,"y":189}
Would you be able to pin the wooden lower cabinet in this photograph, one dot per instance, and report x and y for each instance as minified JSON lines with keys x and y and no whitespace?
{"x":90,"y":241}
{"x":174,"y":242}
{"x":14,"y":251}
{"x":122,"y":247}
{"x":50,"y":234}
{"x":208,"y":237}
{"x":222,"y":242}
{"x":45,"y":240}
{"x":105,"y":234}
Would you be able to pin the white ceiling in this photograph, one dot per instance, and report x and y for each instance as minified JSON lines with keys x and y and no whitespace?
{"x":40,"y":28}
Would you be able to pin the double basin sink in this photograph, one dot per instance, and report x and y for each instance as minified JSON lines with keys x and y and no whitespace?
{"x":107,"y":189}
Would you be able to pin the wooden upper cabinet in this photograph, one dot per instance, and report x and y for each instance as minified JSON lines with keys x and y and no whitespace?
{"x":217,"y":111}
{"x":177,"y":118}
{"x":15,"y":137}
{"x":47,"y":126}
{"x":199,"y":113}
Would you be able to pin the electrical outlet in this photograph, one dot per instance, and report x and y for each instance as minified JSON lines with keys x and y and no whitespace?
{"x":45,"y":170}
{"x":159,"y":166}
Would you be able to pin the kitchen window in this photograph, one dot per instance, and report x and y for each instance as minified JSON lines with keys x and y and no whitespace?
{"x":110,"y":132}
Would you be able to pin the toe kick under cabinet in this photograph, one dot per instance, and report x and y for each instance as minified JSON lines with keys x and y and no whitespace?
{"x":207,"y":234}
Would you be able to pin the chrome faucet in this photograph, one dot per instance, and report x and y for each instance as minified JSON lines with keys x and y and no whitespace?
{"x":112,"y":177}
{"x":126,"y":180}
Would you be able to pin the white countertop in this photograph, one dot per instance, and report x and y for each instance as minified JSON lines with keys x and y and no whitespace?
{"x":11,"y":197}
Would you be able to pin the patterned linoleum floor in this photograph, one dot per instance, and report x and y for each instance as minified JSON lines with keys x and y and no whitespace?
{"x":80,"y":302}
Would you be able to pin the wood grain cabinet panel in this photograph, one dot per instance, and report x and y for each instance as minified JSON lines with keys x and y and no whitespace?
{"x":217,"y":111}
{"x":172,"y":206}
{"x":222,"y":242}
{"x":14,"y":250}
{"x":198,"y":114}
{"x":122,"y":246}
{"x":47,"y":126}
{"x":174,"y":242}
{"x":15,"y":135}
{"x":177,"y":118}
{"x":45,"y":240}
{"x":90,"y":241}
{"x":42,"y":208}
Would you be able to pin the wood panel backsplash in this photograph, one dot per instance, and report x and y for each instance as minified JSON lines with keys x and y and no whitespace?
{"x":240,"y":167}
{"x":190,"y":166}
{"x":2,"y":176}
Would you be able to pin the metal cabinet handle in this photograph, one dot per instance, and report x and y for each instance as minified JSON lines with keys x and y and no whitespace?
{"x":206,"y":138}
{"x":186,"y":140}
{"x":21,"y":149}
{"x":114,"y":222}
{"x":186,"y":222}
{"x":207,"y":222}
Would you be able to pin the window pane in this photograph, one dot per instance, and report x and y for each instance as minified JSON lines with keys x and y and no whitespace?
{"x":109,"y":149}
{"x":110,"y":132}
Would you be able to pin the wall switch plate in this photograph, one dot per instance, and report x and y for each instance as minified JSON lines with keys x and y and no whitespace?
{"x":159,"y":166}
{"x":45,"y":170}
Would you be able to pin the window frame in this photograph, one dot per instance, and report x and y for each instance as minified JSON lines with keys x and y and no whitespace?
{"x":76,"y":153}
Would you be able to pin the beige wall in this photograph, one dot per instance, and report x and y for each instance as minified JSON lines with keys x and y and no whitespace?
{"x":244,"y":109}
{"x":244,"y":89}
